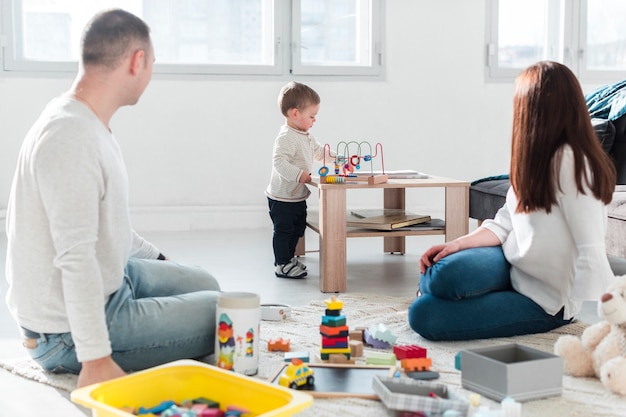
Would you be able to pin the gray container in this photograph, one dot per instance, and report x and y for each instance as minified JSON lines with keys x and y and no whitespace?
{"x":513,"y":370}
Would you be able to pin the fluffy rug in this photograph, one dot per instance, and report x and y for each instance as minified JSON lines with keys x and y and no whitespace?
{"x":581,"y":397}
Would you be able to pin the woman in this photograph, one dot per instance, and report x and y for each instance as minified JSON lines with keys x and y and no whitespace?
{"x":530,"y":268}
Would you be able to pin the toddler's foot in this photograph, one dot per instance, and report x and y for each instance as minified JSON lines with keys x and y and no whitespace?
{"x":296,"y":261}
{"x":290,"y":270}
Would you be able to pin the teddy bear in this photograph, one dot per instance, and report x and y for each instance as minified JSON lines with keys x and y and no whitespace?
{"x":601,"y":350}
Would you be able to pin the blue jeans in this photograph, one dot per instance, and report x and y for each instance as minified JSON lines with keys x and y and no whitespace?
{"x":289,"y":226}
{"x":468,"y":295}
{"x":162,"y":312}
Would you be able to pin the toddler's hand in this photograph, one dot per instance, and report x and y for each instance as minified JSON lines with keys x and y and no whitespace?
{"x":305,"y":177}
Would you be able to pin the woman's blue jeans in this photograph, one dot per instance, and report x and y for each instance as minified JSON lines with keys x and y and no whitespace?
{"x":162,"y":312}
{"x":468,"y":295}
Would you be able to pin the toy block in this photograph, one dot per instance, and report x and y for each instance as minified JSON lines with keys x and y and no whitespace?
{"x":384,"y":333}
{"x":334,"y":342}
{"x":409,"y":351}
{"x":334,"y":321}
{"x":373,"y":342}
{"x":377,"y":179}
{"x":209,"y":403}
{"x":339,"y":358}
{"x":335,"y":350}
{"x":303,"y":356}
{"x":334,"y":331}
{"x":380,"y":358}
{"x":239,"y":410}
{"x":332,"y":312}
{"x":326,"y":353}
{"x":333,"y":303}
{"x":278,"y":345}
{"x":416,"y":364}
{"x":211,"y":412}
{"x":357,"y":334}
{"x":356,"y":348}
{"x":157,"y":409}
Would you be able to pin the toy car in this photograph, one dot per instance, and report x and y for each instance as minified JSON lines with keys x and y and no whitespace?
{"x":296,"y":375}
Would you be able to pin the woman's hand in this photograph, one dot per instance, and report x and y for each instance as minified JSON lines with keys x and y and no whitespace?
{"x":478,"y":238}
{"x":435,"y":253}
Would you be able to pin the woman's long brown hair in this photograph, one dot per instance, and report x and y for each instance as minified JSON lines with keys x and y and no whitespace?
{"x":549,"y":111}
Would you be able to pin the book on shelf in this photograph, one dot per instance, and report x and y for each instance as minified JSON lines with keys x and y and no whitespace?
{"x":432,"y":224}
{"x":388,"y":219}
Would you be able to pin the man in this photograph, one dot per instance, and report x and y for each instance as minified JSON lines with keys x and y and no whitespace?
{"x":90,"y":295}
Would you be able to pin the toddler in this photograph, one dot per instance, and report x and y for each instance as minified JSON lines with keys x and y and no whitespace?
{"x":293,"y":155}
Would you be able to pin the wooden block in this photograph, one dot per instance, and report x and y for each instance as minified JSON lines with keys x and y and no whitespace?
{"x":356,"y":334}
{"x":377,"y":179}
{"x":380,"y":358}
{"x":356,"y":348}
{"x":339,"y":358}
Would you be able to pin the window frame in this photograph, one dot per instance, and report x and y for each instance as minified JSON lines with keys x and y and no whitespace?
{"x":566,"y":43}
{"x":285,"y":62}
{"x":375,"y":47}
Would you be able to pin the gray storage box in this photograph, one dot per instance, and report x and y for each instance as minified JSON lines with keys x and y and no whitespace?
{"x":513,"y":370}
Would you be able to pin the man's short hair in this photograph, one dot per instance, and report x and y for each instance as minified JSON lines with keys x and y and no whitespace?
{"x":295,"y":95}
{"x":109,"y":36}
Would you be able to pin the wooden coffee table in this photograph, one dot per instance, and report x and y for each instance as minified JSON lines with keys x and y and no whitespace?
{"x":333,"y":232}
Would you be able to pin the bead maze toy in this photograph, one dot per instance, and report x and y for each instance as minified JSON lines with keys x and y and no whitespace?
{"x":350,"y":160}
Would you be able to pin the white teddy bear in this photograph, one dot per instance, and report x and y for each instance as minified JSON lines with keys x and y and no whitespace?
{"x":601,"y":350}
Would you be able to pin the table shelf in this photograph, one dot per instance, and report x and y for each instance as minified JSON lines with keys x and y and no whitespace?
{"x":313,"y":224}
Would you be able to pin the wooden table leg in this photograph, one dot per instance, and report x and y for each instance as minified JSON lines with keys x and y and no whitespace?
{"x":394,"y":198}
{"x":457,"y":212}
{"x":332,"y":231}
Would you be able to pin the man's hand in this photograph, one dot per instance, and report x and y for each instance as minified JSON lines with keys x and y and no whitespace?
{"x":99,"y":370}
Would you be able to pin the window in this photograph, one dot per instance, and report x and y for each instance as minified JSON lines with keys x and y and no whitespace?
{"x":259,"y":37}
{"x":335,"y":35}
{"x":587,"y":36}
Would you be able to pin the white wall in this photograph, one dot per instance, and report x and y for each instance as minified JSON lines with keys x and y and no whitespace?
{"x":199,"y":151}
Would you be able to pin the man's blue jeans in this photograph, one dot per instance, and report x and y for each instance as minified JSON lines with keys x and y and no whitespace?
{"x":468,"y":295}
{"x":162,"y":312}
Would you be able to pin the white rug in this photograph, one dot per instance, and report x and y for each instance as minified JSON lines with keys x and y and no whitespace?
{"x":582,"y":397}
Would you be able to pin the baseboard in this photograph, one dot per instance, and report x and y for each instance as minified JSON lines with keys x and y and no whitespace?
{"x":184,"y":218}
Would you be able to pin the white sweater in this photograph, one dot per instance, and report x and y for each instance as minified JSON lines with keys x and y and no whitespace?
{"x":294,"y":153}
{"x":557,"y":259}
{"x":68,"y":227}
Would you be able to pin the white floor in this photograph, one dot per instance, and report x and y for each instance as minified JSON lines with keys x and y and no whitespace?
{"x":242,"y":260}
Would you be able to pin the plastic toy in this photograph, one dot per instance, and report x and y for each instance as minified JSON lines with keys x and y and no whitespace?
{"x":278,"y":345}
{"x":296,"y":375}
{"x":348,"y":159}
{"x":599,"y":351}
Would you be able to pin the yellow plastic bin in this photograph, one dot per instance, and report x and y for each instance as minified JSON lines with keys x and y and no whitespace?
{"x":185,"y":380}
